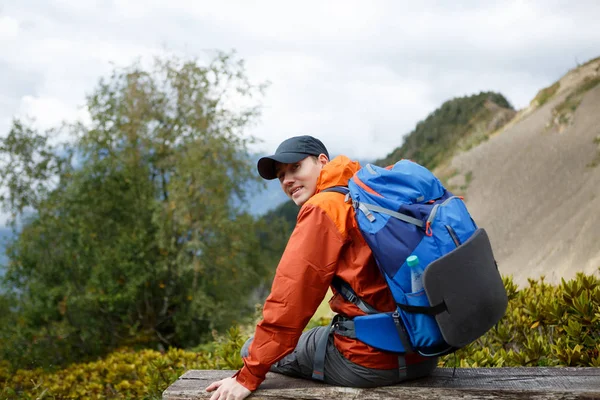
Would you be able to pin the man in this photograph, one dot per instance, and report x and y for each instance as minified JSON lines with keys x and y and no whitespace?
{"x":325,"y":243}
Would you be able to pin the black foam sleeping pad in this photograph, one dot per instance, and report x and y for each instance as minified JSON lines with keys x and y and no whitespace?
{"x":468,"y":283}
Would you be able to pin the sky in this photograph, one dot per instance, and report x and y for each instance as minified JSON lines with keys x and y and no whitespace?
{"x":357,"y":74}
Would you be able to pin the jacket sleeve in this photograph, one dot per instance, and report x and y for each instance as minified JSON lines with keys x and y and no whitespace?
{"x":301,"y":281}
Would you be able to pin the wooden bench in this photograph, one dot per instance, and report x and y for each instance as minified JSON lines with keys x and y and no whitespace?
{"x":467,"y":383}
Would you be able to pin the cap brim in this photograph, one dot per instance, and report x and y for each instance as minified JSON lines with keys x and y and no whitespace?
{"x":266,"y":165}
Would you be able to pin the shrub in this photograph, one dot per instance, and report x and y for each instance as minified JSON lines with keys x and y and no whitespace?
{"x":544,"y":325}
{"x":123,"y":374}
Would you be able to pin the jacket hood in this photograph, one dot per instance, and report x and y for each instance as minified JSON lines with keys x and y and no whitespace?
{"x":337,"y":172}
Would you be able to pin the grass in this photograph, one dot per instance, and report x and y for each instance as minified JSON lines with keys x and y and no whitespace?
{"x":596,"y":161}
{"x":468,"y":179}
{"x":546,"y":94}
{"x":564,"y":111}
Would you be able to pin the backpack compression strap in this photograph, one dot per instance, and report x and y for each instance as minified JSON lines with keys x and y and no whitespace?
{"x":367,"y":208}
{"x":338,"y":323}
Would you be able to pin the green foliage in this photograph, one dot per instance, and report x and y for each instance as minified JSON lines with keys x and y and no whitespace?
{"x":317,"y":321}
{"x":282,"y":220}
{"x":545,"y":94}
{"x":130,"y":234}
{"x":275,"y":229}
{"x":437,"y":137}
{"x":544,"y":325}
{"x":123,"y":374}
{"x":288,"y":212}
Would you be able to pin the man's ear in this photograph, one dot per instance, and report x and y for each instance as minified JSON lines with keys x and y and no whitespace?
{"x":322,"y":159}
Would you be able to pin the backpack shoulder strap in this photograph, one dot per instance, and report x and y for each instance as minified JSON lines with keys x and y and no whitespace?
{"x":339,"y":189}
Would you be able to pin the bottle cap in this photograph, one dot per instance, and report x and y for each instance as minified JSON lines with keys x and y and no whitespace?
{"x":412,"y":261}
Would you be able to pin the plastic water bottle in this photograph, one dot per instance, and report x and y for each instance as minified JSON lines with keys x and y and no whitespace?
{"x":416,"y":274}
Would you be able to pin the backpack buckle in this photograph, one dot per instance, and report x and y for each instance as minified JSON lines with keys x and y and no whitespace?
{"x":351,"y":297}
{"x":362,"y":207}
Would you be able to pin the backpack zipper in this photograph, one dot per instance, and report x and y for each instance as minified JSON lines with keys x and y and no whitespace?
{"x":434,"y":212}
{"x":453,"y":235}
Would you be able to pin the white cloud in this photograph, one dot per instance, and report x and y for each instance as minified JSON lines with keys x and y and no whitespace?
{"x":358,"y":74}
{"x":50,"y":112}
{"x":9,"y":28}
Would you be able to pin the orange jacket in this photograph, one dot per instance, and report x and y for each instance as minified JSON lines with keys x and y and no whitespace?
{"x":326,"y":242}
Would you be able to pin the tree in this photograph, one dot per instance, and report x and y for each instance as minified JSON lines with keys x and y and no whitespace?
{"x":130,"y":234}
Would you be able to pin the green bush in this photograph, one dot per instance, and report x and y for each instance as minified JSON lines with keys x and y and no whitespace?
{"x":123,"y":374}
{"x":131,"y":232}
{"x":544,"y":325}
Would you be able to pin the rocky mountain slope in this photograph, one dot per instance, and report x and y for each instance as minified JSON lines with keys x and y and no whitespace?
{"x":535,"y":184}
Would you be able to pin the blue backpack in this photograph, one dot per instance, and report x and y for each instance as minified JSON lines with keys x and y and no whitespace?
{"x":405,"y":210}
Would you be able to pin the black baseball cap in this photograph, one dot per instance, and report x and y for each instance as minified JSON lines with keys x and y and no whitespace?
{"x":290,"y":151}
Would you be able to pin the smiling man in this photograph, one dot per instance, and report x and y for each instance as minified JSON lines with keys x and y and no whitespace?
{"x":325,"y":243}
{"x":298,"y":177}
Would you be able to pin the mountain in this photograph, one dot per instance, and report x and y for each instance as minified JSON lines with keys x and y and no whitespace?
{"x":535,"y":184}
{"x":458,"y":124}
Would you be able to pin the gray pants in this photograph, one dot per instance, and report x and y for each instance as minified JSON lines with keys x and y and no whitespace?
{"x":338,"y":370}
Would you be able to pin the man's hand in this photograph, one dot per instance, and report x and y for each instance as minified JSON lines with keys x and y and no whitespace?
{"x":228,"y":389}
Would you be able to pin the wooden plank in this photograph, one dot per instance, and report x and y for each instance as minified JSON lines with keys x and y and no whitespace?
{"x":467,"y":383}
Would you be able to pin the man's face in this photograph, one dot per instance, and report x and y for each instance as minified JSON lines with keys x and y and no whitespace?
{"x":299,"y":180}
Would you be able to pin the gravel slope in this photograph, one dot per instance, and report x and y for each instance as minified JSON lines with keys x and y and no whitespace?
{"x":534,"y":192}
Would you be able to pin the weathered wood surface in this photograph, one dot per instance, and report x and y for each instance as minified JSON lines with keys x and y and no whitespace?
{"x":468,"y":383}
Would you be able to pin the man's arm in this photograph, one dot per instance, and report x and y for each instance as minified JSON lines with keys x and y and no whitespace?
{"x":300,"y":284}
